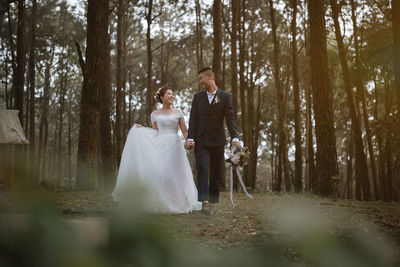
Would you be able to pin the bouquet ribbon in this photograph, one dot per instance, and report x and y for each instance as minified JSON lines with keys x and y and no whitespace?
{"x":241,"y":183}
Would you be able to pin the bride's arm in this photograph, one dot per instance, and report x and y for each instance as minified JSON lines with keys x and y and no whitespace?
{"x":183,"y":126}
{"x":154,"y":125}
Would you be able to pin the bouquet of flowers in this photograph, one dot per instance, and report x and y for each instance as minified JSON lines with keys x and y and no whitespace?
{"x":238,"y":156}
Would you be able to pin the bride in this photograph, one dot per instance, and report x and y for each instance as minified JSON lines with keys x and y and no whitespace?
{"x":154,"y":164}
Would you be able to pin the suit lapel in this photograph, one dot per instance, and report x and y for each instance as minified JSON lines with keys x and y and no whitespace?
{"x":216,"y":96}
{"x":204,"y":97}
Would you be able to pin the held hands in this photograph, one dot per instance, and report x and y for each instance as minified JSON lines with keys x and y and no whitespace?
{"x":190,"y":144}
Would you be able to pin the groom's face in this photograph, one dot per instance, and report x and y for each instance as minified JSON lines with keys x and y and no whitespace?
{"x":205,"y":80}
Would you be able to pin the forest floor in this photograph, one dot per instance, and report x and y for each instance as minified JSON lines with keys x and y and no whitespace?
{"x":297,"y":226}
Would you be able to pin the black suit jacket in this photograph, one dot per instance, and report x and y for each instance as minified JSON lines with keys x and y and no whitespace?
{"x":206,"y":123}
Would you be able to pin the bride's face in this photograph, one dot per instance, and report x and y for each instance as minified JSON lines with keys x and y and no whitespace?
{"x":168,"y":97}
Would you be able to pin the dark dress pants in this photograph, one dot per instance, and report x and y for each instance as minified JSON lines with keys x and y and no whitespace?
{"x":209,"y":162}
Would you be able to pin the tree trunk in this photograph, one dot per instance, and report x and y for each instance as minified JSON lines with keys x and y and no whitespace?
{"x":32,"y":74}
{"x":308,"y":178}
{"x":234,"y":80}
{"x":70,"y":140}
{"x":199,"y":37}
{"x":19,"y":74}
{"x":349,"y":176}
{"x":249,"y":117}
{"x":242,"y":52}
{"x":396,"y":49}
{"x":63,"y":87}
{"x":95,"y":69}
{"x":298,"y":180}
{"x":362,"y":92}
{"x":257,"y":129}
{"x":43,"y":130}
{"x":119,"y":81}
{"x":388,"y":182}
{"x":322,"y":99}
{"x":361,"y":161}
{"x":217,"y":44}
{"x":106,"y":146}
{"x":13,"y":60}
{"x":150,"y":99}
{"x":310,"y":159}
{"x":283,"y":167}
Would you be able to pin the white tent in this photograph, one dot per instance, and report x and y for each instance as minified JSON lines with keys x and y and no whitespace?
{"x":11,"y":131}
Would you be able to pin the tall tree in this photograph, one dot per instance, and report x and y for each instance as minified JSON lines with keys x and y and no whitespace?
{"x":362,"y":176}
{"x":234,"y":80}
{"x":283,"y":163}
{"x":396,"y":48}
{"x":32,"y":74}
{"x":150,"y":99}
{"x":95,"y":69}
{"x":242,"y":69}
{"x":388,"y":150}
{"x":106,"y":146}
{"x":298,"y":180}
{"x":361,"y":90}
{"x":119,"y":129}
{"x":19,"y":74}
{"x":199,"y":36}
{"x":217,"y":47}
{"x":326,"y":156}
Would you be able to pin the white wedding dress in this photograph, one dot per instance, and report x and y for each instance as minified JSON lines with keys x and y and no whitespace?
{"x":154,"y":165}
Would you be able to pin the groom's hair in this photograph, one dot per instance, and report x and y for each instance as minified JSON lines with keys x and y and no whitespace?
{"x":207,"y":70}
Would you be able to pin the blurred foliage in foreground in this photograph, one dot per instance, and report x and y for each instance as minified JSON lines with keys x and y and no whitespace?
{"x":42,"y":237}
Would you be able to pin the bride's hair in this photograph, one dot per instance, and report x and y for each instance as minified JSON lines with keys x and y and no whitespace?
{"x":160,"y":92}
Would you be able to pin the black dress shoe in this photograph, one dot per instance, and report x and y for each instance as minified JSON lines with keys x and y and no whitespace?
{"x":205,"y":208}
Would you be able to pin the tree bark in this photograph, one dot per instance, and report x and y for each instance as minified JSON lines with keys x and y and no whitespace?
{"x":349,"y":176}
{"x":106,"y":146}
{"x":362,"y":93}
{"x":32,"y":85}
{"x":322,"y":99}
{"x":44,"y":125}
{"x":63,"y":90}
{"x":13,"y":60}
{"x":96,"y":52}
{"x":199,"y":37}
{"x":396,"y":49}
{"x":362,"y":176}
{"x":298,"y":180}
{"x":150,"y":99}
{"x":217,"y":43}
{"x":234,"y":80}
{"x":242,"y":82}
{"x":119,"y":81}
{"x":283,"y":164}
{"x":388,"y":182}
{"x":19,"y":74}
{"x":309,"y":178}
{"x":249,"y":117}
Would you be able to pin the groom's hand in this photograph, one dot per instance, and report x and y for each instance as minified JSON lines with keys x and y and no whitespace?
{"x":190,"y":144}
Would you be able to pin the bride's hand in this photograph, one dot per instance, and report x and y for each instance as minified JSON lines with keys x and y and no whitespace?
{"x":190,"y":145}
{"x":138,"y":125}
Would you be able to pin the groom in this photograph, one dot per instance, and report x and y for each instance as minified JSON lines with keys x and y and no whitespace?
{"x":207,"y":135}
